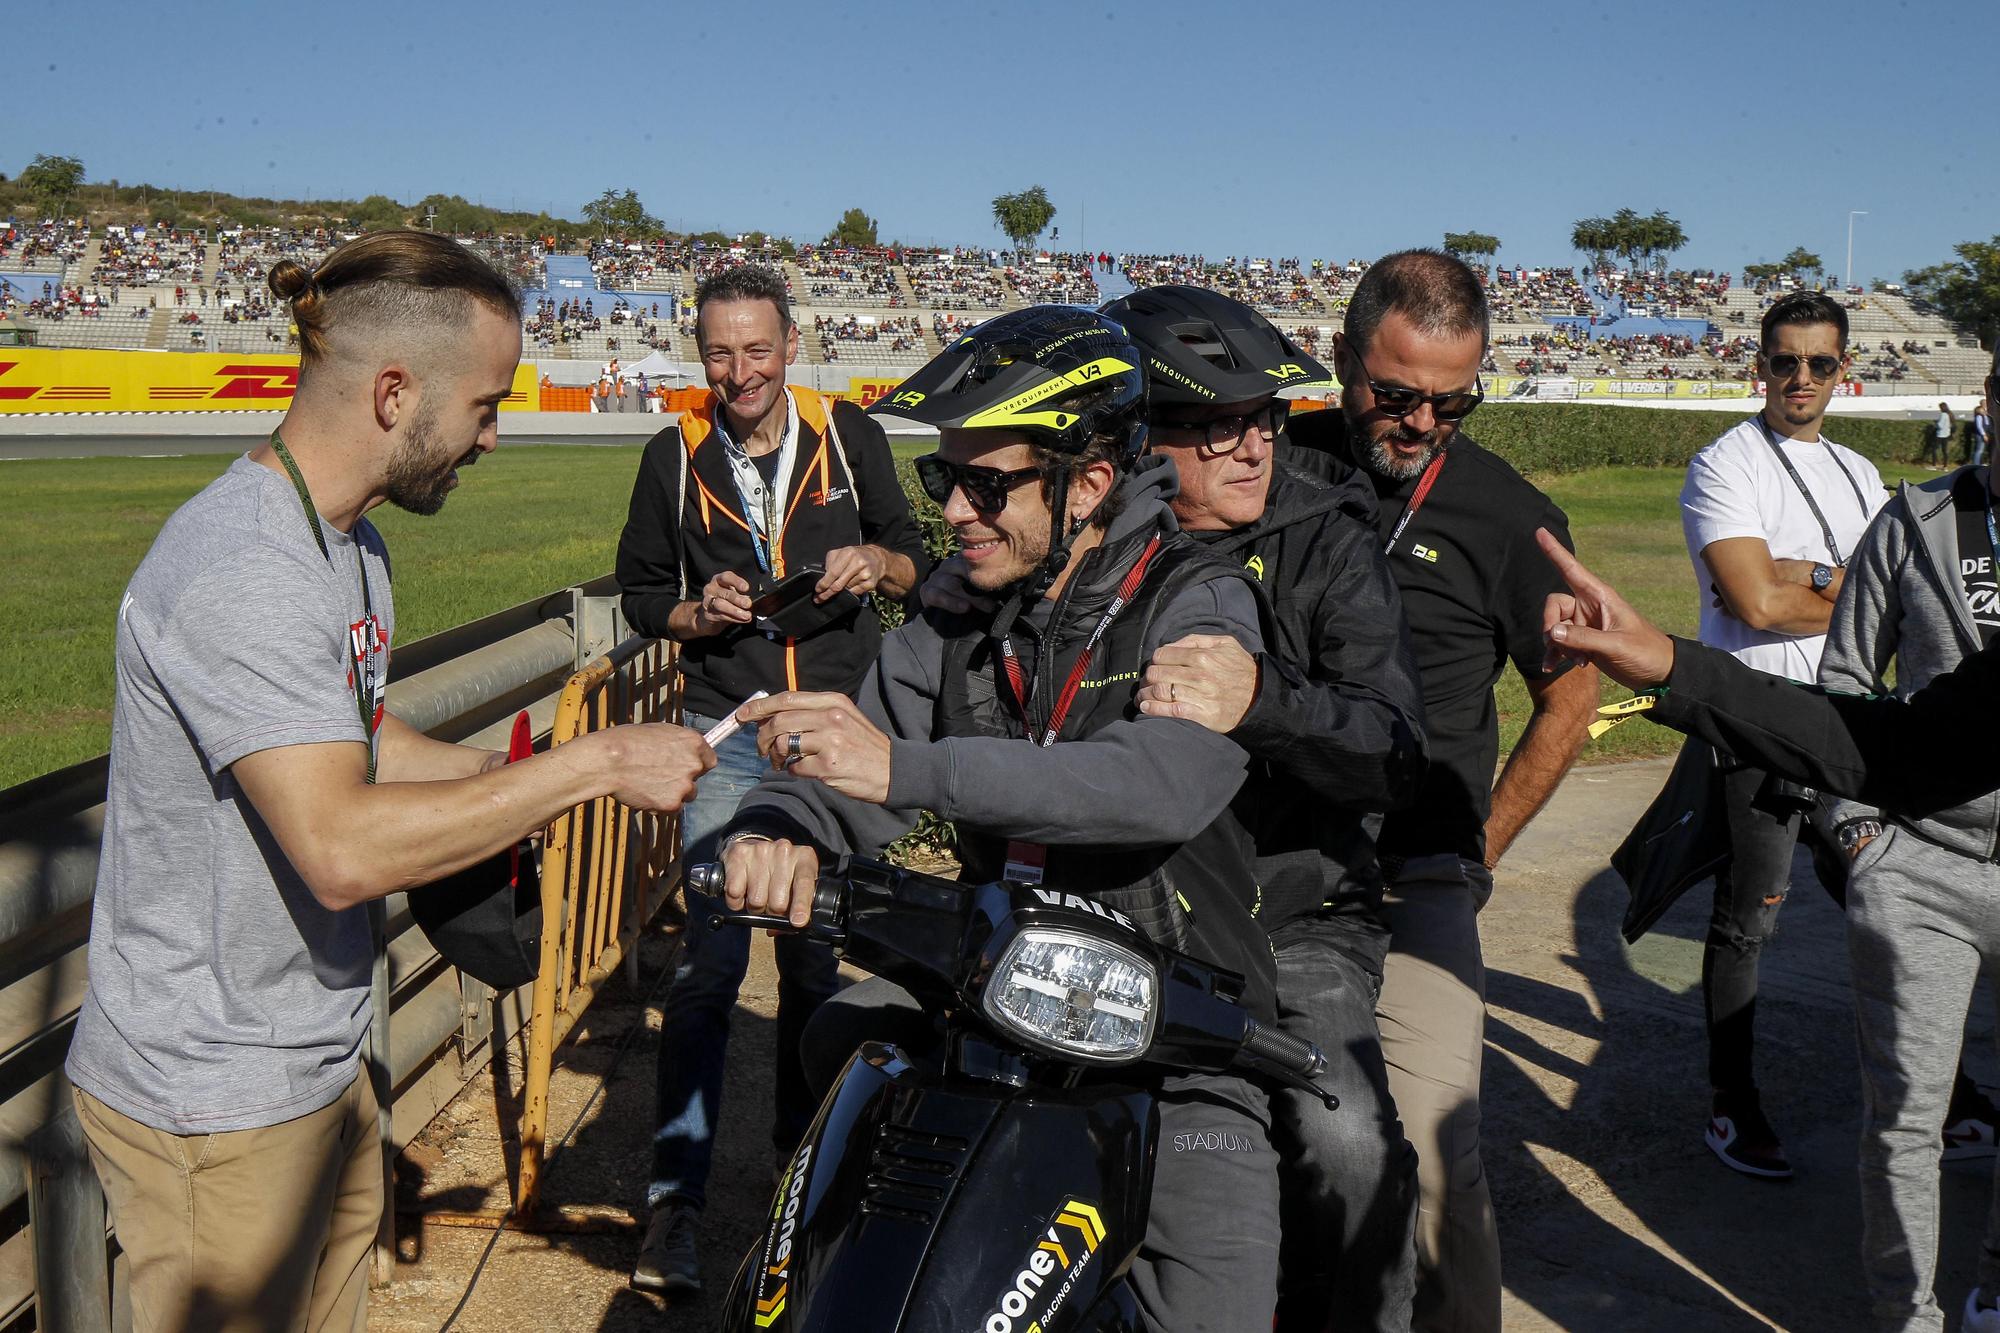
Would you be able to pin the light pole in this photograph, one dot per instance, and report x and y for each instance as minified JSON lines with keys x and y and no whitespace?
{"x":1852,"y":214}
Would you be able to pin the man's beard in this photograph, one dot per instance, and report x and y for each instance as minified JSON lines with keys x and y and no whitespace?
{"x":1376,"y":456}
{"x":416,"y":482}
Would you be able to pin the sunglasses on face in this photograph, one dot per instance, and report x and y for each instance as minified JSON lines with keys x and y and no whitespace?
{"x":985,"y":488}
{"x":1784,"y":365}
{"x":1399,"y":401}
{"x":1224,"y":435}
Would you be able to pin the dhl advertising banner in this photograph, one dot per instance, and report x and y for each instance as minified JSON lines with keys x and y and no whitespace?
{"x":34,"y":379}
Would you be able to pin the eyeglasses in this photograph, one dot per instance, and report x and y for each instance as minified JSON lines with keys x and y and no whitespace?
{"x":1398,"y":401}
{"x":1225,"y":435}
{"x":985,"y":487}
{"x":1784,"y":365}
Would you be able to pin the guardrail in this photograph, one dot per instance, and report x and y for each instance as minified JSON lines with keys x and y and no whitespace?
{"x":434,"y":1029}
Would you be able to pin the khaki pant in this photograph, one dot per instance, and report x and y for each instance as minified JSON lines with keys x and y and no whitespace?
{"x":1432,"y":1013}
{"x":253,"y":1230}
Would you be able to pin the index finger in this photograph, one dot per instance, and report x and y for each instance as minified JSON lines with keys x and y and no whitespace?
{"x":756,"y":710}
{"x":1572,"y":570}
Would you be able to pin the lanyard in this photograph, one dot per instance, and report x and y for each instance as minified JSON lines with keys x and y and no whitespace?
{"x":1825,"y":528}
{"x":766,"y":531}
{"x":1017,"y":677}
{"x":360,"y":654}
{"x":1417,"y":498}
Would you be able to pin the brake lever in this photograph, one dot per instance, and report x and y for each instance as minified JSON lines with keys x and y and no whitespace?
{"x":754,"y":920}
{"x":1300,"y":1083}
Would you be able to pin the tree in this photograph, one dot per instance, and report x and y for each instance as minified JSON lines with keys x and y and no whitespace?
{"x":1022,"y":217}
{"x":1471,"y":244}
{"x":378,"y":211}
{"x":1967,"y":291}
{"x":1802,"y":261}
{"x":1662,"y":236}
{"x":621,"y":211}
{"x":50,"y":181}
{"x":1592,"y":236}
{"x":855,"y":230}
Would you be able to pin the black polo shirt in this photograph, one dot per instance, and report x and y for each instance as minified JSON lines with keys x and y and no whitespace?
{"x":1473,"y":583}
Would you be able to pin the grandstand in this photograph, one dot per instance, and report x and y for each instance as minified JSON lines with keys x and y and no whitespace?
{"x":162,"y":288}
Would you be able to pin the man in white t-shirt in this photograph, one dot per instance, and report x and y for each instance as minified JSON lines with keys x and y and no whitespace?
{"x":1771,"y":511}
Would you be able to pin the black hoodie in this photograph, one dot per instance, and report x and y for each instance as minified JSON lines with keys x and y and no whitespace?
{"x":1337,"y":728}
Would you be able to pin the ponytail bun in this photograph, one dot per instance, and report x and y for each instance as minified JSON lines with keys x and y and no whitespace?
{"x":290,"y":279}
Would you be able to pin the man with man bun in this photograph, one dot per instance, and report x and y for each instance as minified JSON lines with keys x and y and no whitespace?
{"x":260,"y":795}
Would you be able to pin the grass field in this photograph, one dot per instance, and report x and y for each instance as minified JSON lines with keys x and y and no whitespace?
{"x":531,"y":519}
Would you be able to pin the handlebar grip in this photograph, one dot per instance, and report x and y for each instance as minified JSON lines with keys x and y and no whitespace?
{"x":707,"y":878}
{"x":1283,"y":1050}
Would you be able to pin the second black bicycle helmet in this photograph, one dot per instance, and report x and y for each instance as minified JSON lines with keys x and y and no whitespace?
{"x":1204,"y":347}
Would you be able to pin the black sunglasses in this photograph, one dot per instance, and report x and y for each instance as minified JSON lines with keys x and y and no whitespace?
{"x":1398,"y":401}
{"x":985,"y":487}
{"x":1225,"y":435}
{"x":1784,"y":365}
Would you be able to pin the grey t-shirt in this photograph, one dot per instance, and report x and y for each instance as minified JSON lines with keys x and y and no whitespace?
{"x":222,"y":995}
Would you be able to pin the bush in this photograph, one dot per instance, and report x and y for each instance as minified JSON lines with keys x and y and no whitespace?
{"x":1570,"y":437}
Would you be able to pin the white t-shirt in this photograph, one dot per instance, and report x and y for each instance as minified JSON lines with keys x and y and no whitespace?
{"x":1944,"y":426}
{"x":1736,"y":487}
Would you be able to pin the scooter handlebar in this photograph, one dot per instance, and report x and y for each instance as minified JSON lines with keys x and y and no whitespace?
{"x":710,"y":878}
{"x":1283,"y":1051}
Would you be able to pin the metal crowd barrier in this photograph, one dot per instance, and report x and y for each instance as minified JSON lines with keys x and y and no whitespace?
{"x":434,"y":1029}
{"x":595,"y":854}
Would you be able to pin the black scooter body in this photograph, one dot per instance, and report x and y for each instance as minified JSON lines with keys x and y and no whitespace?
{"x":917,"y":1203}
{"x":1000,"y":1189}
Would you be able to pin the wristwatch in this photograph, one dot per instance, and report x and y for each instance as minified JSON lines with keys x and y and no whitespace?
{"x":1822,"y":578}
{"x":1854,"y":831}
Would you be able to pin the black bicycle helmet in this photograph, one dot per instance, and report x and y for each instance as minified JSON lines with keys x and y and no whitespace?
{"x":1204,"y":347}
{"x":1062,"y":375}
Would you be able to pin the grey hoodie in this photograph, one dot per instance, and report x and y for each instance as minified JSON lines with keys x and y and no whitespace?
{"x":1136,"y":783}
{"x":1903,"y":602}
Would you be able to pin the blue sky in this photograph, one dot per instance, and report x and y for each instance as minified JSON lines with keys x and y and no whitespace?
{"x":1330,"y":130}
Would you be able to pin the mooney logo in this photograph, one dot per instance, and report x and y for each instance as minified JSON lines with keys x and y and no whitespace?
{"x":1285,"y":370}
{"x":1078,"y":1230}
{"x":258,"y":382}
{"x":776,"y":1279}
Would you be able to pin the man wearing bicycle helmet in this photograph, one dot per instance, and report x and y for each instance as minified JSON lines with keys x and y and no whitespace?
{"x":1331,"y":714}
{"x":1041,"y":421}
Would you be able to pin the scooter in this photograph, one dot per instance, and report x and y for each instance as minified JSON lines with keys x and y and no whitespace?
{"x":1002,"y":1186}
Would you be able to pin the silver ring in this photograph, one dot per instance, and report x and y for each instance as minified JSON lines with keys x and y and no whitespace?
{"x":792,"y":751}
{"x":1170,"y":692}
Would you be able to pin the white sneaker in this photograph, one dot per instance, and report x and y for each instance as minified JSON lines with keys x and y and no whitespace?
{"x":1979,"y":1319}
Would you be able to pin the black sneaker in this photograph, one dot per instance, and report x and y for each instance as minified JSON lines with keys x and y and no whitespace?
{"x":667,"y":1260}
{"x":1743,"y":1139}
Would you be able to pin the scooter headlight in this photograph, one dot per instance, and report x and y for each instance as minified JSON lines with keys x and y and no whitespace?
{"x":1074,"y":995}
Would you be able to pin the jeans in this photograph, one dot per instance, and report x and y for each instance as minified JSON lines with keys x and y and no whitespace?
{"x":694,"y":1027}
{"x":1749,"y":890}
{"x":1432,"y":1014}
{"x":1347,"y":1177}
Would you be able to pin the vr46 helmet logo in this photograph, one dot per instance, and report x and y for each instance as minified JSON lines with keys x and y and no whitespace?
{"x":1061,"y":1254}
{"x":1286,"y":370}
{"x":908,"y":398}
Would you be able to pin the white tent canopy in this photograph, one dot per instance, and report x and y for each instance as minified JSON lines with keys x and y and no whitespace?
{"x":656,"y":366}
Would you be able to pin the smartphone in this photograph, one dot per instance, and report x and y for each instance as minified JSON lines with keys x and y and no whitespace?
{"x":788,"y":607}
